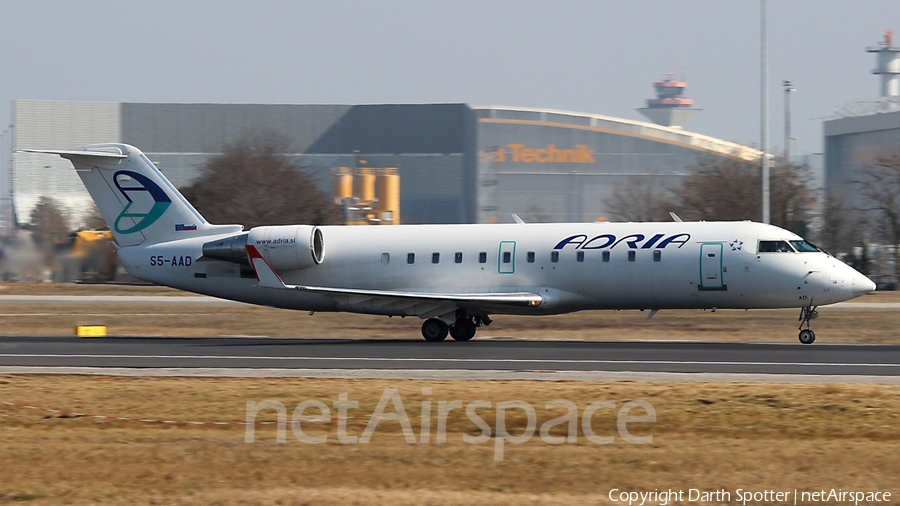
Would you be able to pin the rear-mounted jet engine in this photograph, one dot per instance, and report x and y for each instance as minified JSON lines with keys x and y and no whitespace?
{"x":286,"y":248}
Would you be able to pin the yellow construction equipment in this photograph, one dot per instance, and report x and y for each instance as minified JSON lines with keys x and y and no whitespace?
{"x":89,"y":257}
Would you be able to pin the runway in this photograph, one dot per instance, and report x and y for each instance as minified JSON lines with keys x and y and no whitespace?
{"x":509,"y":356}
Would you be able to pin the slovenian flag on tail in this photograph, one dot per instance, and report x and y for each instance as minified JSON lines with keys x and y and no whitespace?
{"x":181,"y":227}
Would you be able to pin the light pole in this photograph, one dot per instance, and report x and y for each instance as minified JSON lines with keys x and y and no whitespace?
{"x":788,"y":89}
{"x":5,"y":185}
{"x":764,"y":113}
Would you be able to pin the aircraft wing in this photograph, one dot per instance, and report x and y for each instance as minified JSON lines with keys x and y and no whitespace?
{"x":423,"y":302}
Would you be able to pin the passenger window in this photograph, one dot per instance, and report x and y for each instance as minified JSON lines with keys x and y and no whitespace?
{"x":385,"y":258}
{"x":482,"y":257}
{"x":507,"y":257}
{"x":554,"y":256}
{"x":580,"y":256}
{"x":657,"y":255}
{"x":530,"y":257}
{"x":410,"y":258}
{"x":774,"y":247}
{"x":606,"y":256}
{"x":435,"y":258}
{"x":457,"y":257}
{"x":631,"y":255}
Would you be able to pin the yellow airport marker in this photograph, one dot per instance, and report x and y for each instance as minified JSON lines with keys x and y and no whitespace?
{"x":90,"y":330}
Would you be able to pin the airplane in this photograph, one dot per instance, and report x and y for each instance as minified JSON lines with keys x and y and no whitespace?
{"x":456,"y":277}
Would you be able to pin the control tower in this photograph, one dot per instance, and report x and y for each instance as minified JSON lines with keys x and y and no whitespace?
{"x":888,"y":65}
{"x":670,"y":108}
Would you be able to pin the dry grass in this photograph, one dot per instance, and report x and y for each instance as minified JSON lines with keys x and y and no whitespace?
{"x":850,"y":326}
{"x":706,"y":436}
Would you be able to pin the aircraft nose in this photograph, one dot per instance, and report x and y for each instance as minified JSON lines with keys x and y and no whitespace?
{"x":859,"y":284}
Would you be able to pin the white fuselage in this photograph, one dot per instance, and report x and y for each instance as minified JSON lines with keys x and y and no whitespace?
{"x":455,"y":276}
{"x":672,"y":265}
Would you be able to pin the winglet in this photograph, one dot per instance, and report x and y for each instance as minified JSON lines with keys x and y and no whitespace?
{"x":675,"y":216}
{"x":265,"y":274}
{"x":516,"y":217}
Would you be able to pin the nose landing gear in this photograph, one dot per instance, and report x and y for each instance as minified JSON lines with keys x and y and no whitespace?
{"x":807,"y":314}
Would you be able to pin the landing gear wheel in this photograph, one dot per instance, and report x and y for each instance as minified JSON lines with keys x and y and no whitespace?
{"x":463,"y":329}
{"x":807,"y":336}
{"x":807,"y":315}
{"x":434,"y":330}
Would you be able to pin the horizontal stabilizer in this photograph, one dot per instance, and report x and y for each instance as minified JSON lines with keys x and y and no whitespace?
{"x":68,"y":153}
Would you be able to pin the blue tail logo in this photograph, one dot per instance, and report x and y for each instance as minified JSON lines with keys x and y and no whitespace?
{"x":142,"y":220}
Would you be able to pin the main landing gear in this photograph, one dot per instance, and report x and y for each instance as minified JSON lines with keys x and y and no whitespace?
{"x":807,"y":314}
{"x":463,"y":329}
{"x":434,"y":330}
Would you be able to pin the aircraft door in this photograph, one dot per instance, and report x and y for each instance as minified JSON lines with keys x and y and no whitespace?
{"x":506,"y":260}
{"x":711,"y":266}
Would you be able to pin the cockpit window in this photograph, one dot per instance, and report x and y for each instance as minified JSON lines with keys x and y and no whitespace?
{"x":804,"y":247}
{"x":774,"y":247}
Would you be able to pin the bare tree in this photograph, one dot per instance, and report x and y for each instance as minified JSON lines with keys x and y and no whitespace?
{"x":93,"y":220}
{"x":49,"y":226}
{"x":253,"y":183}
{"x":639,"y":199}
{"x":730,"y":190}
{"x":879,"y":185}
{"x":536,"y":214}
{"x":843,"y":225}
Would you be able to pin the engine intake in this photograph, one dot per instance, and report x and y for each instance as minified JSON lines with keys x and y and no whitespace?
{"x":289,"y":247}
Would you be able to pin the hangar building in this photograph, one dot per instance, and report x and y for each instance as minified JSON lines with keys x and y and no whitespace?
{"x":457,"y":163}
{"x":863,"y":131}
{"x":857,"y":137}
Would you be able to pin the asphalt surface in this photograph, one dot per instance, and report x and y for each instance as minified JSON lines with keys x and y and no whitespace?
{"x":494,"y":355}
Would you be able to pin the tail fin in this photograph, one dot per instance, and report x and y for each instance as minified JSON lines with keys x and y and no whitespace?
{"x":138,"y":203}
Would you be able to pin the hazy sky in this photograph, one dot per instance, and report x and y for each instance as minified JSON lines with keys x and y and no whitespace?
{"x":581,"y":55}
